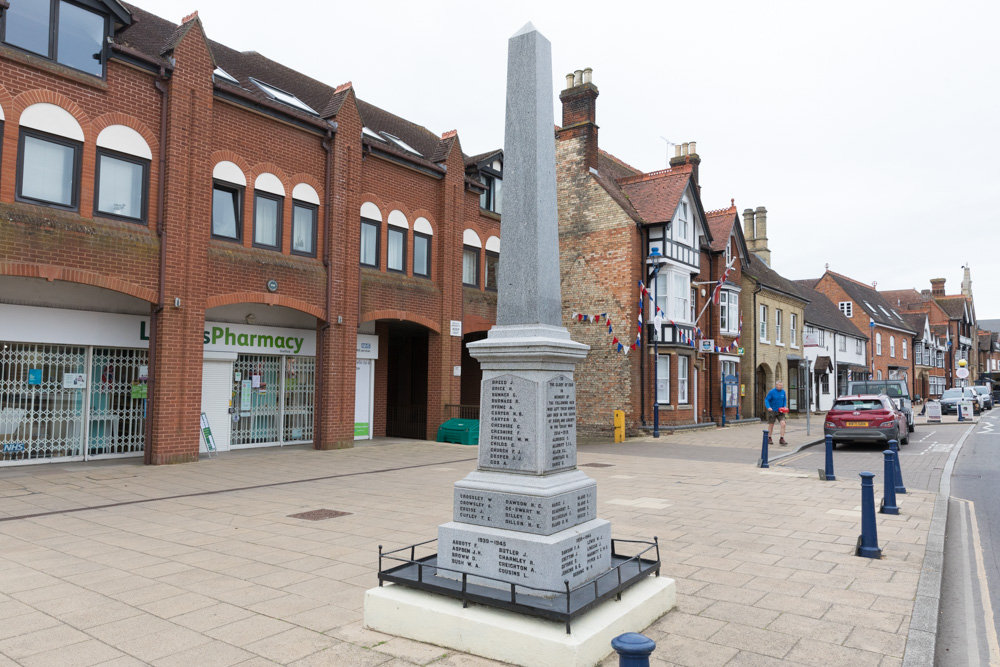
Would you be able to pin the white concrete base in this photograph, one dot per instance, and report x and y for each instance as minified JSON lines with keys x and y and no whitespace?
{"x":509,"y":637}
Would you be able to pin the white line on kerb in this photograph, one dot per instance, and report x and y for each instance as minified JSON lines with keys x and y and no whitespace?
{"x":984,"y":589}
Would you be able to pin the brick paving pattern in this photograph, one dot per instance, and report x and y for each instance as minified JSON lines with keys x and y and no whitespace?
{"x":762,"y":558}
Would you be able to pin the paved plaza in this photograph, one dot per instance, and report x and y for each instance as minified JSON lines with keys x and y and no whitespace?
{"x":202,"y":564}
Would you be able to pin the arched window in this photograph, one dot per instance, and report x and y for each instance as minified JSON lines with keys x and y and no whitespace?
{"x":305,"y":213}
{"x":268,"y":211}
{"x":121,"y":189}
{"x":422,"y":234}
{"x":492,"y":262}
{"x":228,"y":185}
{"x":398,"y":229}
{"x":892,"y":346}
{"x":48,"y":157}
{"x":878,"y":344}
{"x":878,"y":375}
{"x":472,"y":246}
{"x":371,"y":225}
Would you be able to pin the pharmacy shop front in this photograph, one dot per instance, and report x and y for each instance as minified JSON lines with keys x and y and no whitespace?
{"x":258,"y":386}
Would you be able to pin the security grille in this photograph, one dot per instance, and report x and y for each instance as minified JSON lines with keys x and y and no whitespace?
{"x":117,"y":420}
{"x":300,"y":391}
{"x":258,"y":406}
{"x":39,"y":417}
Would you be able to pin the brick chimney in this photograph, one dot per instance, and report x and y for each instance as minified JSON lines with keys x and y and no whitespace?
{"x":937,"y":286}
{"x":579,"y":119}
{"x":755,"y":232}
{"x":686,"y":154}
{"x":967,"y":281}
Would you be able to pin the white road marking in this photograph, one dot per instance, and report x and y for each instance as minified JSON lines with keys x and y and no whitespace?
{"x":927,"y":436}
{"x":984,"y":589}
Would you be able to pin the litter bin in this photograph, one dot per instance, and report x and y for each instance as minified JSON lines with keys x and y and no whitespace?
{"x":459,"y":431}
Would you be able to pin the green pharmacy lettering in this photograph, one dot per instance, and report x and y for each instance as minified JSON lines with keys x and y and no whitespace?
{"x":223,"y":336}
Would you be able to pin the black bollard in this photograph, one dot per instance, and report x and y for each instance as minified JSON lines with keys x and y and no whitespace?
{"x":868,"y":541}
{"x":633,"y":649}
{"x":894,"y":446}
{"x":763,"y":453}
{"x":889,"y":499}
{"x":830,"y":477}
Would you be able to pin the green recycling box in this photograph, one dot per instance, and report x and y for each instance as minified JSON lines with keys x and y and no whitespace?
{"x":459,"y":431}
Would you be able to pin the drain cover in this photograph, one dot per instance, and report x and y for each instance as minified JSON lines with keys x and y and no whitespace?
{"x":318,"y":515}
{"x":596,"y":465}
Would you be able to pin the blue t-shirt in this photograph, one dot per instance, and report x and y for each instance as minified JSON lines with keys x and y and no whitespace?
{"x":775,"y":399}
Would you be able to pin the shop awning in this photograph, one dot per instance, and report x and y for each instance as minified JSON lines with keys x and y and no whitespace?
{"x":855,"y":368}
{"x":794,"y":357}
{"x":823,"y":364}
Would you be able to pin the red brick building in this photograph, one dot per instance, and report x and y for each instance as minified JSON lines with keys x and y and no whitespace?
{"x":187,"y":229}
{"x":611,"y":217}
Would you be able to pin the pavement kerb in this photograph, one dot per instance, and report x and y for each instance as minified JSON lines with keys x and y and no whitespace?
{"x":921,"y":640}
{"x":771,"y":459}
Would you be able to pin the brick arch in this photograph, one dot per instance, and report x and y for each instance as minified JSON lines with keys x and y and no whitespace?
{"x":6,"y":101}
{"x":475,"y":324}
{"x":67,"y":274}
{"x":400,"y":315}
{"x":375,"y":199}
{"x":308,"y":179}
{"x":469,"y":224}
{"x":219,"y":156}
{"x":266,"y":298}
{"x":270,"y":168}
{"x":424,"y":213}
{"x":402,"y":208}
{"x":118,"y":118}
{"x":40,"y":95}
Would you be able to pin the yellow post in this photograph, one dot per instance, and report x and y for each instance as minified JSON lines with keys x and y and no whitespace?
{"x":619,"y":426}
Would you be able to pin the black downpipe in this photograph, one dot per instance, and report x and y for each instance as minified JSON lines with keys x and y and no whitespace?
{"x":318,"y":411}
{"x":756,"y":338}
{"x":644,"y":244}
{"x":161,"y":233}
{"x":711,"y":319}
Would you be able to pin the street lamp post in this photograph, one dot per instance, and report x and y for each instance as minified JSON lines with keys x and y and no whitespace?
{"x":656,"y":260}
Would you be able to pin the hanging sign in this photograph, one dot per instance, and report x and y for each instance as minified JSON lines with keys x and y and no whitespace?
{"x":706,"y":345}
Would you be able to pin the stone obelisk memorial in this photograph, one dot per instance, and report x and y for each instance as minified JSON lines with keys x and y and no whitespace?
{"x":526,"y":515}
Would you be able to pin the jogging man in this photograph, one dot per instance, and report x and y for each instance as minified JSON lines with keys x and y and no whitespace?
{"x":775,"y":402}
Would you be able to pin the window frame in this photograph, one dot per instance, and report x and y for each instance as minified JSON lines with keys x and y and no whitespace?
{"x":486,"y":279}
{"x":777,"y":326}
{"x":477,"y":252}
{"x":683,"y":375}
{"x":298,"y":203}
{"x":52,"y":51}
{"x":428,"y":238}
{"x":878,"y":344}
{"x":261,"y":194}
{"x":77,"y":147}
{"x":124,"y":157}
{"x":391,"y":229}
{"x":904,"y":348}
{"x":665,"y":358}
{"x":892,"y":346}
{"x":762,"y":324}
{"x":793,"y":338}
{"x":377,"y":224}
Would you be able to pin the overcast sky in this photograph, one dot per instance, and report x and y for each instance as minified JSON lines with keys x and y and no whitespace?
{"x":867,"y":129}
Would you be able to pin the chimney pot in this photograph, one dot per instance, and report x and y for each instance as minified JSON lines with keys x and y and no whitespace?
{"x":684,"y":148}
{"x":569,"y":80}
{"x":677,"y":150}
{"x":588,"y":73}
{"x":578,"y":77}
{"x":693,"y":148}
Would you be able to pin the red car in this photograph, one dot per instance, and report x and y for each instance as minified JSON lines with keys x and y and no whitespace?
{"x":866,"y":418}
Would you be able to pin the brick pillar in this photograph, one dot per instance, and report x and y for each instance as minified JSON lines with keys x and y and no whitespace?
{"x":188,"y":199}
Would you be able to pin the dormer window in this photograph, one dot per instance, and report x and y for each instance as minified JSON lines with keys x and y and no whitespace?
{"x":58,"y":30}
{"x":491,"y":176}
{"x":279,"y":95}
{"x":683,"y":228}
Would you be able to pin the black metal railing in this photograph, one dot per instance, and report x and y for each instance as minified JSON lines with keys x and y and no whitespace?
{"x":406,"y":421}
{"x":452,"y":411}
{"x":555,"y":604}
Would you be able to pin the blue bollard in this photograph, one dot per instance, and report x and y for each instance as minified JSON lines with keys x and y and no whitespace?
{"x":633,"y":649}
{"x":960,"y":413}
{"x":830,"y":477}
{"x":889,"y":499}
{"x":868,"y":541}
{"x":894,"y":446}
{"x":763,"y":453}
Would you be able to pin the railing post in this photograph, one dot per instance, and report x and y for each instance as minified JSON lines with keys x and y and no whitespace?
{"x":889,"y":499}
{"x":894,"y":446}
{"x":465,"y":585}
{"x":566,"y":582}
{"x":762,"y":463}
{"x":830,"y":477}
{"x":633,"y":649}
{"x":868,"y":541}
{"x":380,"y":566}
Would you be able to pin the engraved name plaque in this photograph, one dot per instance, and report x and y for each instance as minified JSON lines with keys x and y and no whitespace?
{"x":560,"y":423}
{"x":508,"y":424}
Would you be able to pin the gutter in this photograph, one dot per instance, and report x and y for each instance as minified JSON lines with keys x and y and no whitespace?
{"x":273,"y":109}
{"x":161,"y":233}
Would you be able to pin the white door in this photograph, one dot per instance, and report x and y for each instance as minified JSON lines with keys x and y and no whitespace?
{"x":364,"y":385}
{"x":216,"y":392}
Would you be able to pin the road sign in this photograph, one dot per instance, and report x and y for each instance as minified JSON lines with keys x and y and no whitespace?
{"x":962,"y":373}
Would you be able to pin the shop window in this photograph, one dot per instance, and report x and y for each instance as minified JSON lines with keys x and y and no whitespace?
{"x":58,"y":30}
{"x":421,"y":254}
{"x":267,"y":220}
{"x":369,"y":242}
{"x":121,"y":185}
{"x":304,"y":228}
{"x":48,"y":170}
{"x":396,"y":251}
{"x":226,"y":211}
{"x":682,"y":379}
{"x":492,"y":270}
{"x":470,"y":266}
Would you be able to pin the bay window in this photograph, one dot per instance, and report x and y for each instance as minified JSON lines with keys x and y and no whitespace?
{"x":681,"y":293}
